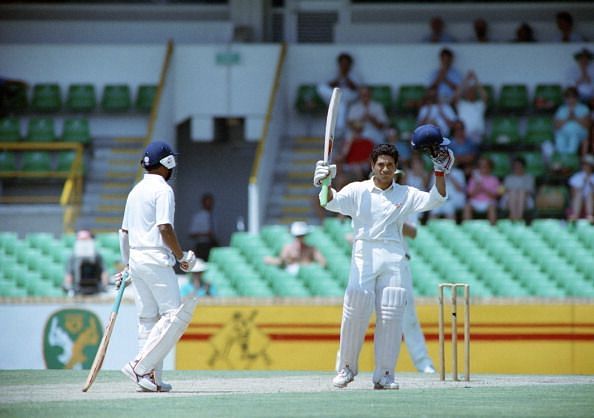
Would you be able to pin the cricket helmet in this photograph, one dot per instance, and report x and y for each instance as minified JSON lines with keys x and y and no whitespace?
{"x":158,"y":152}
{"x":428,"y":139}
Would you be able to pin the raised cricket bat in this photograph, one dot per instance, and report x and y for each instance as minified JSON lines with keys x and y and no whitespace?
{"x":100,"y":356}
{"x":329,"y":140}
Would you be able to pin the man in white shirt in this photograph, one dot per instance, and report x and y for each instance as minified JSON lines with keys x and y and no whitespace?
{"x":378,"y":208}
{"x":368,"y":118}
{"x":149,"y":249}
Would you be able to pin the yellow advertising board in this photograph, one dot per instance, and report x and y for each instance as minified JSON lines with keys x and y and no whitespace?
{"x":505,"y":338}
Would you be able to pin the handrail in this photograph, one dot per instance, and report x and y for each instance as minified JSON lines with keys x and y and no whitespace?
{"x":267,"y":119}
{"x":157,"y":100}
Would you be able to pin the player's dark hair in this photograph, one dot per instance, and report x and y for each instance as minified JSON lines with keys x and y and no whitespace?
{"x":384,"y":149}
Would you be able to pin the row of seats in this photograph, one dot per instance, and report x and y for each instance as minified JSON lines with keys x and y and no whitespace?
{"x":36,"y":161}
{"x":81,"y":98}
{"x":43,"y":129}
{"x":511,"y":98}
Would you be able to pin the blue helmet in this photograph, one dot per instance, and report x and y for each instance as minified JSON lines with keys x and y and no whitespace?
{"x":158,"y":152}
{"x":428,"y":138}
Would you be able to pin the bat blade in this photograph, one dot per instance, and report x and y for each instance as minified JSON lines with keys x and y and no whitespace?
{"x":329,"y":138}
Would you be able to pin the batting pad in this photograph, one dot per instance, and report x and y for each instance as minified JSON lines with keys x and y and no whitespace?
{"x":356,"y":312}
{"x":164,"y":335}
{"x":388,"y":331}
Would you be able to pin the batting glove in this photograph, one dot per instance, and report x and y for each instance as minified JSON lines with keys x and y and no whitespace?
{"x":444,"y":161}
{"x":322,"y":171}
{"x":122,"y":277}
{"x":186,"y":263}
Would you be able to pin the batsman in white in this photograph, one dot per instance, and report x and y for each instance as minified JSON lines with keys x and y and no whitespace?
{"x":378,"y":208}
{"x":150,"y":248}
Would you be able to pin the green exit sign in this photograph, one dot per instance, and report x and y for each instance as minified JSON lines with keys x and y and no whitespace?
{"x":227,"y":58}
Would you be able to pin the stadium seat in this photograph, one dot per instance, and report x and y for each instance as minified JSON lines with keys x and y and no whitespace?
{"x":505,"y":130}
{"x":405,"y":126}
{"x":46,"y":97}
{"x":7,"y":161}
{"x":547,"y":97}
{"x":539,"y":129}
{"x":490,"y":97}
{"x":382,"y":94}
{"x":81,"y":98}
{"x":65,"y":160}
{"x":36,"y":161}
{"x":14,"y":100}
{"x":41,"y":130}
{"x":145,"y":96}
{"x":513,"y":98}
{"x":308,"y":101}
{"x":501,"y":163}
{"x":551,"y":201}
{"x":410,"y":97}
{"x":76,"y":130}
{"x":116,"y":98}
{"x":565,"y":162}
{"x":534,"y":163}
{"x":10,"y":129}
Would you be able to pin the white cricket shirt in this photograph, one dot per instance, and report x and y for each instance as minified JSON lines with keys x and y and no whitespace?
{"x":379,"y":214}
{"x":150,"y":203}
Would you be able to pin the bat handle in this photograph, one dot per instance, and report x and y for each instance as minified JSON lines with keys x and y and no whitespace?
{"x":324,"y":192}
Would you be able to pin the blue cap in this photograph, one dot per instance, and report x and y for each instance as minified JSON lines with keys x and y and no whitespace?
{"x":428,"y":136}
{"x":156,"y":153}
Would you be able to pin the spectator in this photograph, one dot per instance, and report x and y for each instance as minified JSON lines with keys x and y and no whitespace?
{"x":349,"y":83}
{"x":456,"y":187}
{"x":11,"y":95}
{"x":566,"y":30}
{"x":524,"y":33}
{"x":85,"y":272}
{"x":369,"y":116}
{"x":446,"y":78}
{"x":197,"y":285}
{"x":581,"y":75}
{"x":416,"y":175}
{"x":582,"y":191}
{"x":572,"y":122}
{"x":435,"y":113}
{"x":481,"y":31}
{"x":203,"y":228}
{"x":402,"y":144}
{"x":297,"y":252}
{"x":518,"y":189}
{"x":587,"y":145}
{"x":437,"y":32}
{"x":470,"y":101}
{"x":482,"y":192}
{"x":466,"y":150}
{"x":353,"y":164}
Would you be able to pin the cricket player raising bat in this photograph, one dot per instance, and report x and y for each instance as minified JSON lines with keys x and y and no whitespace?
{"x":150,"y":248}
{"x":378,"y":208}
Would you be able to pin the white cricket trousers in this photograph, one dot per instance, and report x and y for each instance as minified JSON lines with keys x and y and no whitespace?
{"x":157,"y":289}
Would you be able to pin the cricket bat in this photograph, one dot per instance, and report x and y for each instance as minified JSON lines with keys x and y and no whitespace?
{"x":329,"y":140}
{"x":100,"y":356}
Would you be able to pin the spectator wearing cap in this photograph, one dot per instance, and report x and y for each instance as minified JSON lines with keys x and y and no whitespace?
{"x":446,"y":77}
{"x":197,"y":285}
{"x":85,"y":272}
{"x":297,"y":252}
{"x":572,"y":121}
{"x":581,"y":75}
{"x":582,"y":191}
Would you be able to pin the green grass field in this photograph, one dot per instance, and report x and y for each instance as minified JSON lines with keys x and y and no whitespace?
{"x":57,"y":393}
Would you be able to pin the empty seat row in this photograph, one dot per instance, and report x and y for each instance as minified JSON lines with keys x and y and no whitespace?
{"x":59,"y":162}
{"x":81,"y":98}
{"x":43,"y":129}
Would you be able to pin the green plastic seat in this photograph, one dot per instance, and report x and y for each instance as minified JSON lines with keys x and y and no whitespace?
{"x":36,"y":161}
{"x":308,"y":100}
{"x":501,"y":163}
{"x":382,"y":94}
{"x":116,"y":98}
{"x":8,"y":238}
{"x":551,"y":201}
{"x":570,"y":162}
{"x":76,"y":130}
{"x":505,"y":130}
{"x":65,"y":160}
{"x":539,"y":129}
{"x":547,"y":97}
{"x":490,"y":90}
{"x":405,"y":126}
{"x":15,"y":100}
{"x":145,"y":96}
{"x":10,"y":129}
{"x":513,"y":98}
{"x":410,"y":97}
{"x":81,"y":98}
{"x":534,"y":163}
{"x":41,"y":130}
{"x":7,"y":161}
{"x":47,"y":97}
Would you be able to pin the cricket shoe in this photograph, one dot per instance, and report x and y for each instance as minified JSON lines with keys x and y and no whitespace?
{"x":145,"y":381}
{"x":161,"y":386}
{"x":429,"y":369}
{"x":343,"y":378}
{"x":386,"y":382}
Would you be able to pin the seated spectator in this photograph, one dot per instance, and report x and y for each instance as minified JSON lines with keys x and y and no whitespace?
{"x":572,"y":122}
{"x":85,"y":272}
{"x":402,"y":144}
{"x":436,"y":113}
{"x":369,"y":116}
{"x":518,"y":190}
{"x":353,"y":162}
{"x":437,"y":32}
{"x":456,"y":187}
{"x":349,"y":83}
{"x":582,"y":191}
{"x":416,"y":174}
{"x":196,"y":285}
{"x":482,"y":192}
{"x":566,"y":30}
{"x":524,"y":33}
{"x":587,"y":145}
{"x":481,"y":31}
{"x":297,"y":252}
{"x":470,"y":101}
{"x":446,"y":78}
{"x":465,"y":150}
{"x":581,"y":75}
